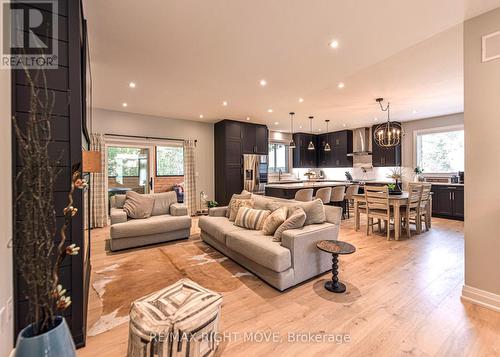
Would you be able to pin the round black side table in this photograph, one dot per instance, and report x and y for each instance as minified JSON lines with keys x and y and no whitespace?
{"x":335,"y":247}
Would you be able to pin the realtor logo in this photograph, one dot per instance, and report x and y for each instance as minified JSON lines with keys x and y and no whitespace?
{"x":29,"y":34}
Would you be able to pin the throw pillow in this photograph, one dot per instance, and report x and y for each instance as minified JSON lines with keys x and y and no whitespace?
{"x":243,"y":195}
{"x":251,"y":218}
{"x":138,"y":206}
{"x":237,"y":204}
{"x":315,"y":211}
{"x":296,"y":220}
{"x":274,"y":220}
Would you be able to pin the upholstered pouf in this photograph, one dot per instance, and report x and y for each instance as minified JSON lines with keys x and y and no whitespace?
{"x":180,"y":320}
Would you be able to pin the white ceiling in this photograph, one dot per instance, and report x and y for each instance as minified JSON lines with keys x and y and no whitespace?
{"x":189,"y":56}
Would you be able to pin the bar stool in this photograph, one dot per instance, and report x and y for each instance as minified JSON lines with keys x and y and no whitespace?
{"x":304,"y":195}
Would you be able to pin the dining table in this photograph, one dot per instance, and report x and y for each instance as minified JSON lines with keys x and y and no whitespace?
{"x":396,"y":202}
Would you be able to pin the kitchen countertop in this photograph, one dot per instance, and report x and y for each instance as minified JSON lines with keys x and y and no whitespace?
{"x":298,"y":185}
{"x":446,"y":184}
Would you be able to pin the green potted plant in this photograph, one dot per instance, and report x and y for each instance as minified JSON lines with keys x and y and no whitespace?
{"x":37,"y":255}
{"x":418,"y":173}
{"x":212,"y":204}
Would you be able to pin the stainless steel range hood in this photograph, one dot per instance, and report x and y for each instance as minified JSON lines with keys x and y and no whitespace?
{"x":361,"y":142}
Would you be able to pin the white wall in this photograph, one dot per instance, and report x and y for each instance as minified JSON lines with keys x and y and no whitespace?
{"x":113,"y":122}
{"x":482,"y":155}
{"x":6,"y":338}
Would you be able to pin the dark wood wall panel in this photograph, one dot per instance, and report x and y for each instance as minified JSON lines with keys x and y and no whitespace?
{"x":65,"y":84}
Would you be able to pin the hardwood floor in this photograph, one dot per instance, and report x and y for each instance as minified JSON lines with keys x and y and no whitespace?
{"x":403,"y":299}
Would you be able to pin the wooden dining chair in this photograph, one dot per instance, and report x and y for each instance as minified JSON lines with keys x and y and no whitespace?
{"x":425,"y":206}
{"x":304,"y":195}
{"x":324,"y":194}
{"x":411,"y":213}
{"x":378,"y":207}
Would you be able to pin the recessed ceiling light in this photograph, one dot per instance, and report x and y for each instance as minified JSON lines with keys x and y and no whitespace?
{"x":124,"y":105}
{"x":224,"y":103}
{"x":269,"y":110}
{"x":341,"y":85}
{"x":334,"y":44}
{"x":248,"y":118}
{"x":375,"y":119}
{"x":344,"y":125}
{"x":414,"y":111}
{"x":319,"y":129}
{"x":263,"y":82}
{"x":300,"y":126}
{"x":301,"y":100}
{"x":276,"y":123}
{"x":131,"y":84}
{"x":201,"y":116}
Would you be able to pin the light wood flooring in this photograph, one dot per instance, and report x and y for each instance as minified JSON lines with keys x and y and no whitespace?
{"x":403,"y":299}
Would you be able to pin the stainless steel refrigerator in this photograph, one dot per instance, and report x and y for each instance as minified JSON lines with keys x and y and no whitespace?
{"x":255,"y":173}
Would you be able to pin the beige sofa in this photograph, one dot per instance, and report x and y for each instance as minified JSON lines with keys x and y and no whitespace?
{"x":169,"y":221}
{"x":281,"y":264}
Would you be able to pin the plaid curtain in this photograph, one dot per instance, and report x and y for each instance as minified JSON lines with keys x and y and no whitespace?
{"x":99,"y":211}
{"x":189,"y":176}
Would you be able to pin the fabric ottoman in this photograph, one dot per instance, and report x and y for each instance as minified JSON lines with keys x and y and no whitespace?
{"x":180,"y":320}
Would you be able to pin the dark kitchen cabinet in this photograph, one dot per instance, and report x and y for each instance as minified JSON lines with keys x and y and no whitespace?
{"x":448,"y":201}
{"x":384,"y":157}
{"x":232,"y":139}
{"x":340,"y":144}
{"x":254,"y":139}
{"x":302,"y":157}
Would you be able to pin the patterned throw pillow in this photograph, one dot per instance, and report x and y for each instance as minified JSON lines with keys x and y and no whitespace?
{"x":274,"y":220}
{"x":296,"y":220}
{"x":237,"y":204}
{"x":251,"y":218}
{"x":243,"y":195}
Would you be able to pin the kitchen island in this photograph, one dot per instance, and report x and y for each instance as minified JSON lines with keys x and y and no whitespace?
{"x":288,"y":190}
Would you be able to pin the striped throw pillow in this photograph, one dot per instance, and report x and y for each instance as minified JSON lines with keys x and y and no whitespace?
{"x":251,"y":218}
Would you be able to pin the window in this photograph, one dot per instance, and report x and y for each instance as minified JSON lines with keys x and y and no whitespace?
{"x":278,"y":157}
{"x":169,"y":161}
{"x":123,"y":161}
{"x":441,"y":152}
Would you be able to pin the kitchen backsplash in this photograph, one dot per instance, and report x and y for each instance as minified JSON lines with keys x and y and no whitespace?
{"x":369,"y":173}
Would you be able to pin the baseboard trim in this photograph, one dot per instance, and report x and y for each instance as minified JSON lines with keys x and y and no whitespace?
{"x":481,"y":298}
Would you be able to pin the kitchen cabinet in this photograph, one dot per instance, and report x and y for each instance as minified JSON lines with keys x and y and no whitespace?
{"x":232,"y":139}
{"x":302,"y":157}
{"x":385,"y":157}
{"x":340,"y":144}
{"x":448,"y":201}
{"x":254,"y":138}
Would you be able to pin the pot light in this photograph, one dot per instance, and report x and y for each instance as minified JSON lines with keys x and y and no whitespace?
{"x":276,"y":123}
{"x":375,"y":119}
{"x":301,"y":100}
{"x":263,"y":82}
{"x":300,"y":126}
{"x":201,"y":116}
{"x":224,"y":103}
{"x":124,"y":105}
{"x":414,"y":111}
{"x":341,"y":85}
{"x":248,"y":118}
{"x":131,"y":84}
{"x":344,"y":125}
{"x":334,"y":44}
{"x":269,"y":110}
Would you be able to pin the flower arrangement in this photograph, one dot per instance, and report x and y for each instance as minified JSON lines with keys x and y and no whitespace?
{"x":37,"y":254}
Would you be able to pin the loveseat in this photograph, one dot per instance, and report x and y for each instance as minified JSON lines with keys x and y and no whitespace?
{"x":169,"y":221}
{"x":281,"y":264}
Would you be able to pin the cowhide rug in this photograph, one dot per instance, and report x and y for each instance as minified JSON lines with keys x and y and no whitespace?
{"x":133,"y":274}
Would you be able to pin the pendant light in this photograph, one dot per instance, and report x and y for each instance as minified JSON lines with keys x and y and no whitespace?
{"x":327,"y":145}
{"x":292,"y":143}
{"x":311,"y":144}
{"x":387,"y":135}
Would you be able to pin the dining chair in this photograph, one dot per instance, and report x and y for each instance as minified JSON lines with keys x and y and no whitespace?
{"x":337,"y":197}
{"x":349,"y":193}
{"x":425,"y":208}
{"x":411,"y":212}
{"x":324,"y":194}
{"x":304,"y":195}
{"x":377,"y":206}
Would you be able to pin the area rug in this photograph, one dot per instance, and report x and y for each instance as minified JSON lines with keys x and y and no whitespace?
{"x":131,"y":275}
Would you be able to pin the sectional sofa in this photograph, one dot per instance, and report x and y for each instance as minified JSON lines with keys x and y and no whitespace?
{"x":281,"y":264}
